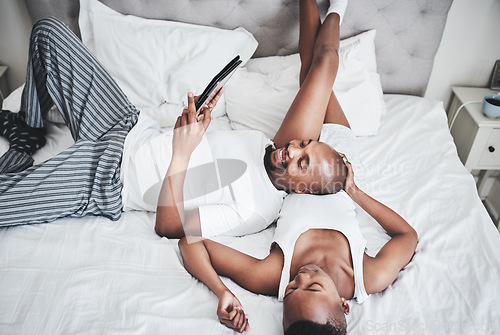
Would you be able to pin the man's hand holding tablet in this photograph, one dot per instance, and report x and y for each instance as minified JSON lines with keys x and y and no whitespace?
{"x":217,"y":83}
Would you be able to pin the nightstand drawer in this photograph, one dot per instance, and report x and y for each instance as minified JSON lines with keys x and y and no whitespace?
{"x":491,"y":151}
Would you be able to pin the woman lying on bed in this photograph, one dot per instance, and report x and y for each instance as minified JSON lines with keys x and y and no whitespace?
{"x":325,"y":259}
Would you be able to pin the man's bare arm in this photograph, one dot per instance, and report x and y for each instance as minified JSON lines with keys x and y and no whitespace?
{"x":170,"y":214}
{"x":171,"y":220}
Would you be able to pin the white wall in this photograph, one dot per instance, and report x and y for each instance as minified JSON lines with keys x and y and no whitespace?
{"x":15,"y":27}
{"x":466,"y":56}
{"x":469,"y":48}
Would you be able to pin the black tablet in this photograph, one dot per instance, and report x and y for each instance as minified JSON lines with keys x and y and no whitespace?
{"x":218,"y":82}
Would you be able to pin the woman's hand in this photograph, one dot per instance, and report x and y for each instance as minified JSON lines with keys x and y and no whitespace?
{"x":350,"y":186}
{"x":231,"y":314}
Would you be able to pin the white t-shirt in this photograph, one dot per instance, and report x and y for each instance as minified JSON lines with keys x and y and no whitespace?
{"x":226,"y":178}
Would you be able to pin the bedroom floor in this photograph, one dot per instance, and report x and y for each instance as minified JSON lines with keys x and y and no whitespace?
{"x":492,"y":213}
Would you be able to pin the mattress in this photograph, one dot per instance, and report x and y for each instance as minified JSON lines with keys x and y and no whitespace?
{"x":96,"y":276}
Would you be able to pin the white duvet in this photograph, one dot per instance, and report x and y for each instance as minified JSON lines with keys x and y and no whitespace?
{"x":95,"y":276}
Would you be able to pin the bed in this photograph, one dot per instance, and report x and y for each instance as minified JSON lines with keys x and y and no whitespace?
{"x":96,"y":276}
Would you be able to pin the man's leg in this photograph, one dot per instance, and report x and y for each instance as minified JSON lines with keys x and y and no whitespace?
{"x":83,"y":179}
{"x":23,"y":142}
{"x":61,"y":70}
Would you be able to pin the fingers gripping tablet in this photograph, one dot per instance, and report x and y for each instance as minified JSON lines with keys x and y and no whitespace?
{"x":218,"y":82}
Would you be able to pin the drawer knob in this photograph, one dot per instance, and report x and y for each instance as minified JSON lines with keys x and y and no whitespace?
{"x":491,"y":148}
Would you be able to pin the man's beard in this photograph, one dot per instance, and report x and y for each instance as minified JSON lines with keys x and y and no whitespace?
{"x":267,"y":160}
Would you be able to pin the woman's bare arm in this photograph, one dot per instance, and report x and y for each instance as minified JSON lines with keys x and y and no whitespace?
{"x":206,"y":260}
{"x":381,"y":270}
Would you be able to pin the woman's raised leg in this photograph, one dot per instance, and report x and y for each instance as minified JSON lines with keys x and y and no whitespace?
{"x":306,"y":115}
{"x":309,"y":26}
{"x":310,"y":23}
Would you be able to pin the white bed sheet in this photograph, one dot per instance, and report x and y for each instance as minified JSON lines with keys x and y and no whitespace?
{"x":92,"y":275}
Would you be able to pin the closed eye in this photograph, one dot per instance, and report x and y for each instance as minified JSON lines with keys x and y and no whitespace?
{"x":289,"y":292}
{"x":303,"y":162}
{"x":314,"y":287}
{"x":303,"y":144}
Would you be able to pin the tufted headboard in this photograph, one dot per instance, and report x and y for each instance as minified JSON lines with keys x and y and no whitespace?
{"x":408,"y":31}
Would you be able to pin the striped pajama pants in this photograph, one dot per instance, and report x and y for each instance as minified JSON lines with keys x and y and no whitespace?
{"x":85,"y":178}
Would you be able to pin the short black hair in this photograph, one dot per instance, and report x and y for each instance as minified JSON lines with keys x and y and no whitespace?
{"x":306,"y":327}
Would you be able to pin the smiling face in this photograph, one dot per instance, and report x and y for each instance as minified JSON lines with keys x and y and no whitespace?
{"x":312,"y":295}
{"x":306,"y":167}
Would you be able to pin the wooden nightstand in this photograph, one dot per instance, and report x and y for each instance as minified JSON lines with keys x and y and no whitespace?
{"x":476,"y":136}
{"x":3,"y":83}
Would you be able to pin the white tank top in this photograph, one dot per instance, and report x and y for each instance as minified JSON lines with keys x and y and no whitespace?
{"x":301,"y":212}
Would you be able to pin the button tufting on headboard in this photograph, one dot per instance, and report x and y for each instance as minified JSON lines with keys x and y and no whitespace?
{"x":408,"y":31}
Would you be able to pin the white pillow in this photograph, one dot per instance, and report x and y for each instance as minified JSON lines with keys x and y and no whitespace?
{"x":156,"y":61}
{"x":13,"y":101}
{"x":259,"y":95}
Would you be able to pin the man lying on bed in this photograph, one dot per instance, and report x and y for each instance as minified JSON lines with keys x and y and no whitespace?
{"x":301,"y":164}
{"x":121,"y":157}
{"x":317,"y":259}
